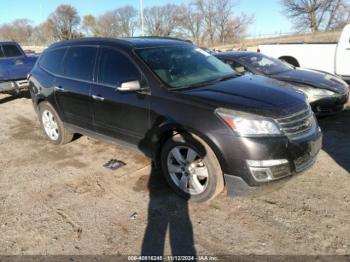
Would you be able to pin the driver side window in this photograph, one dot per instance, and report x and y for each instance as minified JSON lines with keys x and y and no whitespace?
{"x":115,"y":68}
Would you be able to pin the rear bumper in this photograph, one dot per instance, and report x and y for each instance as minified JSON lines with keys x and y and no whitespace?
{"x":13,"y":85}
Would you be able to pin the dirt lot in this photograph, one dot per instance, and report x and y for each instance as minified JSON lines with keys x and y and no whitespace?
{"x":61,"y":200}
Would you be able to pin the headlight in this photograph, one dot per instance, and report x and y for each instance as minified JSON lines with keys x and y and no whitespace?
{"x":248,"y":125}
{"x":314,"y":94}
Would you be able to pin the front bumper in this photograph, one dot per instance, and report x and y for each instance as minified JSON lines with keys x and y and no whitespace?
{"x":346,"y":79}
{"x":298,"y":156}
{"x":330,"y":105}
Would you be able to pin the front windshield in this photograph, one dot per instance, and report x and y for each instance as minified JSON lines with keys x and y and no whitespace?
{"x":264,"y":64}
{"x":184,"y":66}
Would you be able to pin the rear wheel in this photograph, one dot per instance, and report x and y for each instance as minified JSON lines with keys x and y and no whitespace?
{"x":53,"y":126}
{"x":191,"y":168}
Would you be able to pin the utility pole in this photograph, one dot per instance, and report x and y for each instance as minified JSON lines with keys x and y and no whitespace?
{"x":142,"y":18}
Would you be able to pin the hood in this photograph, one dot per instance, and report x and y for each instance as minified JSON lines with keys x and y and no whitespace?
{"x":253,"y":94}
{"x":313,"y":78}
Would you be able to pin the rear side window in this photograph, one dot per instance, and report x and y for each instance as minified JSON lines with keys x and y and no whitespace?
{"x":79,"y":62}
{"x":52,"y":60}
{"x":115,"y":68}
{"x":11,"y":51}
{"x":1,"y":53}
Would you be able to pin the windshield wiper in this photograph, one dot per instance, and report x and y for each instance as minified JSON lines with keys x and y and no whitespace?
{"x":208,"y":82}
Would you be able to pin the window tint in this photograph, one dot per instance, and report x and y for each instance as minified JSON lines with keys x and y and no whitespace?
{"x":79,"y":62}
{"x":115,"y":68}
{"x":11,"y":51}
{"x":1,"y":53}
{"x":52,"y":60}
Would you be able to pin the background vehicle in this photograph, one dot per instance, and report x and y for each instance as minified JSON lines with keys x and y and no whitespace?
{"x":333,"y":58}
{"x":327,"y":94}
{"x":14,"y":67}
{"x":187,"y":110}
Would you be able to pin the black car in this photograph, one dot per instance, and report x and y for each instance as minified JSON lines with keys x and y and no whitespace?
{"x":201,"y":123}
{"x":327,"y":94}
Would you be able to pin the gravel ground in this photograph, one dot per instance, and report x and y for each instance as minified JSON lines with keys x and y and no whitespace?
{"x":60,"y":200}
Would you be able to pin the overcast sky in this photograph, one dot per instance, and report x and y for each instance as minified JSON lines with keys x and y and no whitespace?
{"x":268,"y":14}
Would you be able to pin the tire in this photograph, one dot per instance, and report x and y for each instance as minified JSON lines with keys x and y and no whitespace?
{"x":184,"y":177}
{"x":60,"y":135}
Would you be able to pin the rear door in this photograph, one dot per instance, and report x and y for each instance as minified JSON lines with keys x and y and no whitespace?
{"x":343,"y":53}
{"x":72,"y":89}
{"x":123,"y":115}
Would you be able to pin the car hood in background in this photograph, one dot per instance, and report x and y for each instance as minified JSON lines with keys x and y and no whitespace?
{"x":312,"y":78}
{"x":254,"y":94}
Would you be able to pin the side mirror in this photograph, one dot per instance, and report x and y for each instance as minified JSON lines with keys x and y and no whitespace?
{"x":129,"y":86}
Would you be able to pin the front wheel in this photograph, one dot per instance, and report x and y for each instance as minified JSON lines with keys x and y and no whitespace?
{"x":191,"y":168}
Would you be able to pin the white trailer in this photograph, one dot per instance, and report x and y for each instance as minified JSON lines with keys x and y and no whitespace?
{"x":333,"y":58}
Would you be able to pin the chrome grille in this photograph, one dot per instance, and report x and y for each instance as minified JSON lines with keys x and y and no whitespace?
{"x":298,"y":125}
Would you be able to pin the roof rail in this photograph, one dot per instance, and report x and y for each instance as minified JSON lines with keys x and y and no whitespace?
{"x":165,"y":37}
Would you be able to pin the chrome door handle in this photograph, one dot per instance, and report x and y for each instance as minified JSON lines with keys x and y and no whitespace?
{"x":59,"y":88}
{"x":99,"y":98}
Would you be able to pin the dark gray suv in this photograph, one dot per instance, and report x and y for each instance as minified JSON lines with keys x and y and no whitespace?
{"x":205,"y":126}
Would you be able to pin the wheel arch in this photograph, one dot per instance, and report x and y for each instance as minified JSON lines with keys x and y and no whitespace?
{"x":290,"y":60}
{"x":170,"y":129}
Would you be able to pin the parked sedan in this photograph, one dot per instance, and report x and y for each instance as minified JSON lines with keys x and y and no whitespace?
{"x":327,"y":94}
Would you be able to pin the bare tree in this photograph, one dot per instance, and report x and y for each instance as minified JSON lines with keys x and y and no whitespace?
{"x":220,"y":22}
{"x":207,"y":9}
{"x":19,"y":30}
{"x":206,"y":21}
{"x":116,"y":23}
{"x":223,"y":17}
{"x":43,"y":34}
{"x":127,"y":17}
{"x":190,"y":22}
{"x":339,"y":15}
{"x":315,"y":15}
{"x":237,"y":27}
{"x":161,"y":20}
{"x":107,"y":25}
{"x":65,"y":21}
{"x":89,"y":25}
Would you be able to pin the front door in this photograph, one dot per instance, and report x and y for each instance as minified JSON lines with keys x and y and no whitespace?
{"x":122,"y":115}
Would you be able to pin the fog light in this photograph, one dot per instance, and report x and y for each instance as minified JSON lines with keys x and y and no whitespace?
{"x":267,"y":170}
{"x":261,"y":174}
